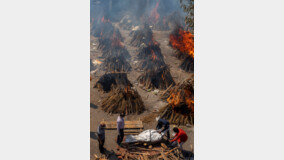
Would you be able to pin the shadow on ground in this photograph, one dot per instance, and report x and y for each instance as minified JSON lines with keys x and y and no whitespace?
{"x":93,"y":106}
{"x":94,"y":135}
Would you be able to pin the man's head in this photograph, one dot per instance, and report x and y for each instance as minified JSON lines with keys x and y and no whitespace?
{"x":103,"y":125}
{"x":122,"y":115}
{"x":175,"y":129}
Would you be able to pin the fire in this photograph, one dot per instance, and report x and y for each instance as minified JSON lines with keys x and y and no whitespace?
{"x":97,"y":62}
{"x":103,"y":20}
{"x":181,"y":97}
{"x":127,"y":89}
{"x":184,"y":42}
{"x":154,"y":17}
{"x":154,"y":56}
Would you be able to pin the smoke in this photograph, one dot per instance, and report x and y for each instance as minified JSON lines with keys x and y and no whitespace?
{"x":116,"y":9}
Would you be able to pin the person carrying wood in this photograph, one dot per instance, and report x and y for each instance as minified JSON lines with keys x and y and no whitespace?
{"x":163,"y":127}
{"x":180,"y":137}
{"x":101,"y":137}
{"x":120,"y":128}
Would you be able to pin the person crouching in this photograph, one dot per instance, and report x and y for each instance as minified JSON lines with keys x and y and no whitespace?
{"x":163,"y":127}
{"x":180,"y":137}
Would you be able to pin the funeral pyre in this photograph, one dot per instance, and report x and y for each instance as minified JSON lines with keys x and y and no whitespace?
{"x":183,"y":43}
{"x":180,"y":109}
{"x":122,"y":97}
{"x":123,"y":100}
{"x":159,"y":78}
{"x":115,"y":54}
{"x":110,"y":81}
{"x":156,"y":74}
{"x":141,"y":35}
{"x":146,"y":151}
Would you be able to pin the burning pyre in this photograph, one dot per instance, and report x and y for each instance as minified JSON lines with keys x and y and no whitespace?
{"x":116,"y":63}
{"x":123,"y":100}
{"x":144,"y":35}
{"x":150,"y":57}
{"x":180,"y":109}
{"x":183,"y":42}
{"x":156,"y":21}
{"x":114,"y":52}
{"x":156,"y":78}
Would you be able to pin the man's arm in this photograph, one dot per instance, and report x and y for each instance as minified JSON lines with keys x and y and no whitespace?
{"x":176,"y":137}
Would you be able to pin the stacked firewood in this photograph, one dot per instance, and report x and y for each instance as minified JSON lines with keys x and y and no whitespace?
{"x":123,"y":100}
{"x":156,"y":74}
{"x":180,"y":109}
{"x":146,"y":152}
{"x":116,"y":63}
{"x":156,"y":78}
{"x":115,"y":53}
{"x":150,"y":57}
{"x":142,"y":36}
{"x":187,"y":64}
{"x":112,"y":80}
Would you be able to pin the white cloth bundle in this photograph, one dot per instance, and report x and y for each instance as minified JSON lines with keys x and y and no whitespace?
{"x":150,"y":135}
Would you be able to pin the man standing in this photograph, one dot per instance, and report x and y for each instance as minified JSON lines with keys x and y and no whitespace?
{"x":163,"y":127}
{"x":120,"y":128}
{"x":101,"y":137}
{"x":180,"y":138}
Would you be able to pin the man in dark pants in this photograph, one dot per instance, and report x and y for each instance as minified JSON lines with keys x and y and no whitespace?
{"x":163,"y":123}
{"x":120,"y":128}
{"x":101,"y":137}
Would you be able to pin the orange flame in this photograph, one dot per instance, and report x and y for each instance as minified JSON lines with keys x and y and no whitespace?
{"x":175,"y":99}
{"x":97,"y":62}
{"x":154,"y":56}
{"x":184,"y":42}
{"x":105,"y":20}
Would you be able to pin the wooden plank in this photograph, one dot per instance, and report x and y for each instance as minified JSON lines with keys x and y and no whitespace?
{"x":163,"y":155}
{"x":125,"y":122}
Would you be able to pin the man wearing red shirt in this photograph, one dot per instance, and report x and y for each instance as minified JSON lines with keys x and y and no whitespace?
{"x":180,"y":137}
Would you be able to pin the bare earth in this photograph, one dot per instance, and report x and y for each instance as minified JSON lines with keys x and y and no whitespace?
{"x":151,"y":101}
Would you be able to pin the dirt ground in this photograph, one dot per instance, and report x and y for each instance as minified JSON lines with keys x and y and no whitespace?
{"x":151,"y":101}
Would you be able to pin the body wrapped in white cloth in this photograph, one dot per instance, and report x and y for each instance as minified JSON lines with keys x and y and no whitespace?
{"x":150,"y":135}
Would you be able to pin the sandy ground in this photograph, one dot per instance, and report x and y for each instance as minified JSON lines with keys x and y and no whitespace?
{"x":151,"y":101}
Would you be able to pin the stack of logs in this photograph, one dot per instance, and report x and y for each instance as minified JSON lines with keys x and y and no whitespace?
{"x":109,"y":81}
{"x":180,"y":109}
{"x":156,"y":74}
{"x":142,"y":36}
{"x":141,"y":152}
{"x":156,"y":78}
{"x":123,"y":100}
{"x":115,"y":54}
